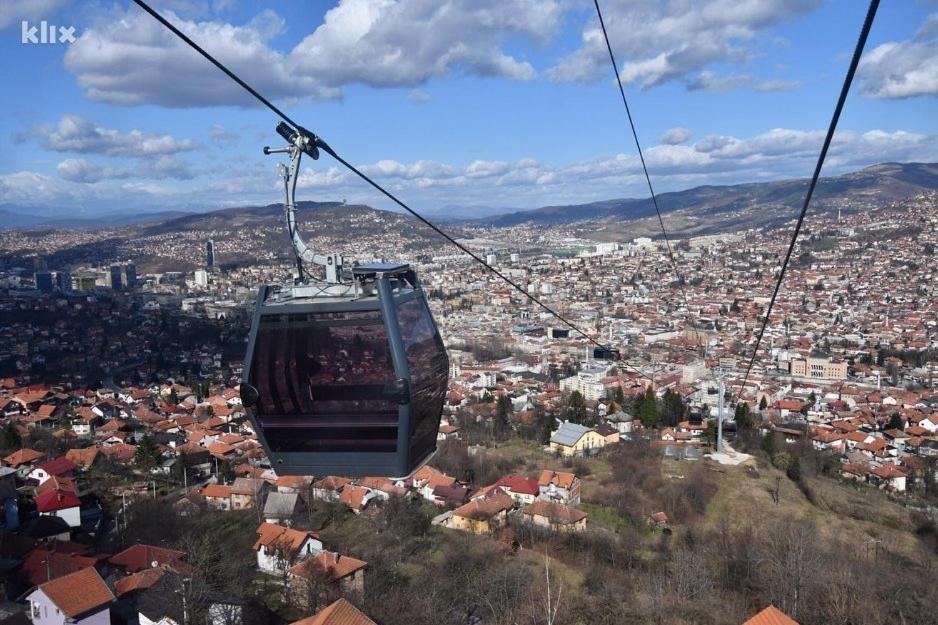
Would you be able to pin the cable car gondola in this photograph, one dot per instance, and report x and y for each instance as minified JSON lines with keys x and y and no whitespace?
{"x":345,"y":376}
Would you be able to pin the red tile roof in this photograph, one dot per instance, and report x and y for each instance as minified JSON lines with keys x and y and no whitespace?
{"x":138,"y":581}
{"x":54,"y":500}
{"x":280,"y":538}
{"x":487,"y":507}
{"x":771,"y":616}
{"x":554,"y":512}
{"x":217,"y":491}
{"x":339,"y":613}
{"x":141,"y":557}
{"x":57,"y":466}
{"x":78,"y":593}
{"x":42,"y":565}
{"x":333,"y":565}
{"x":519,"y":484}
{"x":83,"y":457}
{"x":23,"y":456}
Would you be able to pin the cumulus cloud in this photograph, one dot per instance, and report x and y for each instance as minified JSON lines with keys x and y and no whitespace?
{"x":674,"y":136}
{"x":130,"y":59}
{"x":155,"y":168}
{"x":657,"y":42}
{"x":713,"y":159}
{"x":903,"y":69}
{"x":73,"y":133}
{"x":82,"y":170}
{"x":776,"y":153}
{"x":14,"y":11}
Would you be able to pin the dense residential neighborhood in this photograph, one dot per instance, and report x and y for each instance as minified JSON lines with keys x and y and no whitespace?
{"x":121,"y":417}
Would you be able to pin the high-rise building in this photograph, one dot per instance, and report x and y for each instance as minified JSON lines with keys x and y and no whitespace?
{"x":201,"y":277}
{"x":116,"y":278}
{"x":130,"y":273}
{"x":44,"y":281}
{"x":63,"y":280}
{"x":210,"y":254}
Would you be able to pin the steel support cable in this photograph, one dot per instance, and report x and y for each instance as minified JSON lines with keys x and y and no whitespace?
{"x":641,"y":156}
{"x":322,"y":145}
{"x":845,"y":89}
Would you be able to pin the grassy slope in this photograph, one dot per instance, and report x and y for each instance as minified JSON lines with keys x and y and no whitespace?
{"x":859,"y":514}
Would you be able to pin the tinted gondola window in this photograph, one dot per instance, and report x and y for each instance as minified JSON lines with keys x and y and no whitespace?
{"x":322,"y":381}
{"x":426,"y":359}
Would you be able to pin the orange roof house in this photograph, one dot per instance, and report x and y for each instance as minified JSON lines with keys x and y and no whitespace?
{"x":76,"y":594}
{"x":355,"y":498}
{"x":330,"y":564}
{"x":138,"y":581}
{"x":339,"y":613}
{"x":284,"y":540}
{"x":21,"y":457}
{"x":83,"y":458}
{"x":771,"y":616}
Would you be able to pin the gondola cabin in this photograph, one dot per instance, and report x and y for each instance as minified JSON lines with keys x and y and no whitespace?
{"x":346,"y":381}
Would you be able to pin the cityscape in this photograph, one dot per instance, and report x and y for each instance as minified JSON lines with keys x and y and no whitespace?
{"x":120,"y":398}
{"x":468,"y":312}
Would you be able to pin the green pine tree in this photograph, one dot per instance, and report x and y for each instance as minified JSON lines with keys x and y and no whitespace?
{"x":649,"y":415}
{"x":503,"y":412}
{"x":743,"y":417}
{"x":576,"y":407}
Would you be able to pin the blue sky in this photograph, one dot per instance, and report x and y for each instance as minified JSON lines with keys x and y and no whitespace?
{"x":469,"y":103}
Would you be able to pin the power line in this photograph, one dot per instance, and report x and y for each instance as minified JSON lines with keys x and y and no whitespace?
{"x":641,"y":156}
{"x":845,"y":89}
{"x":318,"y":142}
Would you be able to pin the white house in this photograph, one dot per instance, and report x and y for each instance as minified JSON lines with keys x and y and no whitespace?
{"x":79,"y":598}
{"x":930,"y":423}
{"x":60,"y":503}
{"x":559,"y":487}
{"x":279,"y":548}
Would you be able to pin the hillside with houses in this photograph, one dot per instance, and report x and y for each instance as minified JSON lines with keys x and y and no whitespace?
{"x":158,"y":502}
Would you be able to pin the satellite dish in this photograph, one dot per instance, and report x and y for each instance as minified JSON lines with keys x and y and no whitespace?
{"x":154,"y":564}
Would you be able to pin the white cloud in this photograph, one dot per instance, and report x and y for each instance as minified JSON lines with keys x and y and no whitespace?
{"x":656,"y":42}
{"x":14,"y":11}
{"x":385,"y":43}
{"x":776,"y":85}
{"x":128,"y":58}
{"x":903,"y":69}
{"x":155,"y":168}
{"x":714,"y":159}
{"x":131,"y":59}
{"x":709,"y":81}
{"x":73,"y":133}
{"x":82,"y":170}
{"x":220,"y":134}
{"x":676,"y":135}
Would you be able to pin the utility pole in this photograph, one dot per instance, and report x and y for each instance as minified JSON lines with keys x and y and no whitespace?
{"x":720,"y":415}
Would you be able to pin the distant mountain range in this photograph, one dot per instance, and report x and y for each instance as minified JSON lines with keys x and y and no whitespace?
{"x":15,"y":217}
{"x":743,"y":205}
{"x":691,"y":212}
